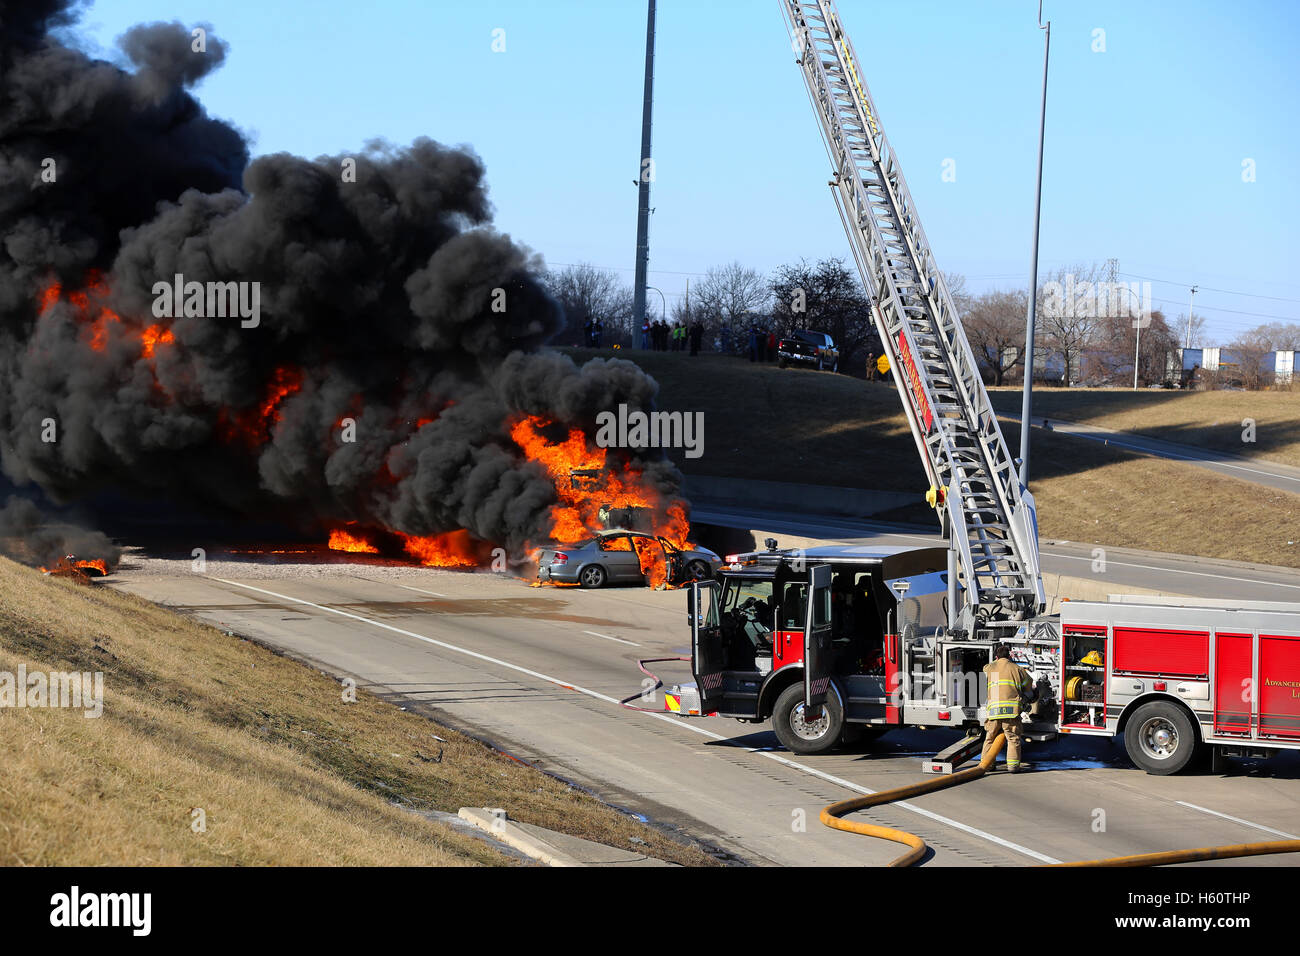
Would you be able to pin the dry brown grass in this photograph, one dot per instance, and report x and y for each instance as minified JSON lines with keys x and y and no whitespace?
{"x":1202,"y":419}
{"x":1096,"y":494}
{"x":284,"y":770}
{"x":798,"y":425}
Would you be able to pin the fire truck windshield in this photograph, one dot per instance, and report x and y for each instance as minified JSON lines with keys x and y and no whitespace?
{"x":747,"y":609}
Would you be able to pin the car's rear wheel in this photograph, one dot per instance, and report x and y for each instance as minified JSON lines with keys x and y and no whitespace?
{"x":782,"y":363}
{"x":593,"y":576}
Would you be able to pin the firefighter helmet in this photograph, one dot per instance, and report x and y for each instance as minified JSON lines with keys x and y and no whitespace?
{"x":1093,"y":657}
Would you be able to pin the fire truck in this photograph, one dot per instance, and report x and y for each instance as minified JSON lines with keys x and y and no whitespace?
{"x":834,"y":642}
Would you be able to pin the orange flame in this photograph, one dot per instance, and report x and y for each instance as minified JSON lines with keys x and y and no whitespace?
{"x":254,"y":425}
{"x":154,"y":336}
{"x":605,"y":483}
{"x":455,"y":549}
{"x":75,"y":568}
{"x":341,"y":540}
{"x":50,"y":295}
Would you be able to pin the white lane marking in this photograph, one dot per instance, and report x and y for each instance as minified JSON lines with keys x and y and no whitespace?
{"x":1246,"y":823}
{"x":1203,"y":574}
{"x":608,"y":638}
{"x":675,"y":721}
{"x":421,"y":590}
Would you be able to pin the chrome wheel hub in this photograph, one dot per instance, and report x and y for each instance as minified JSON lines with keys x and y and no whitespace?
{"x":1159,"y":738}
{"x":809,"y":729}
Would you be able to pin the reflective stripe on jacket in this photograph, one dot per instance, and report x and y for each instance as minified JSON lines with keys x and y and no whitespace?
{"x":1007,"y":681}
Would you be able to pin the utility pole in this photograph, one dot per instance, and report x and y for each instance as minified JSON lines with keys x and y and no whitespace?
{"x":1027,"y":406}
{"x":645,"y":172}
{"x":1190,"y":299}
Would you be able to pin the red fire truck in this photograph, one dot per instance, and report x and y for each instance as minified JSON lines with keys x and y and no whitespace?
{"x":871,"y":652}
{"x":833,"y":642}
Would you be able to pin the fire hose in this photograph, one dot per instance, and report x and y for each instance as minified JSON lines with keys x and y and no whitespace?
{"x":833,"y":814}
{"x":644,"y":692}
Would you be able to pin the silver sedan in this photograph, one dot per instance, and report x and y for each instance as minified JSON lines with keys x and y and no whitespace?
{"x":612,"y":557}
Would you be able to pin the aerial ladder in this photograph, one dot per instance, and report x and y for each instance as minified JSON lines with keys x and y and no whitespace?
{"x":988,"y":515}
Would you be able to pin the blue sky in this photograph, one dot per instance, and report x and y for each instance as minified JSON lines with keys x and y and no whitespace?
{"x":1145,"y":141}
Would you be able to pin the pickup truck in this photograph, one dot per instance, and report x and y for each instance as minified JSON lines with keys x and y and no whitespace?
{"x":808,"y":348}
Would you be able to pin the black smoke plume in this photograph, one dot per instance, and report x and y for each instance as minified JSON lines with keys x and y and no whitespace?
{"x":381,"y":301}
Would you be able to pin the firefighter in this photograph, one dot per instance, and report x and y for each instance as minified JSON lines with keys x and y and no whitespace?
{"x":1008,"y":684}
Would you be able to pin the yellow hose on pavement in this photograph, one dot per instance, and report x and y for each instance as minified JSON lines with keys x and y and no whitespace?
{"x":831,"y":817}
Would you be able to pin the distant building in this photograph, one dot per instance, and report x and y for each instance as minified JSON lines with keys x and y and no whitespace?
{"x":1279,"y":365}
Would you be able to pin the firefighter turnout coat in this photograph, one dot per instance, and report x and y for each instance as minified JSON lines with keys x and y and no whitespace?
{"x":1008,"y":682}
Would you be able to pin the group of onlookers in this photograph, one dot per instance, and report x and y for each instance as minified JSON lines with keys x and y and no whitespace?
{"x":661,"y":336}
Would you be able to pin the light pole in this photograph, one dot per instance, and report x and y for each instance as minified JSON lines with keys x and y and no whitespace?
{"x":1027,"y":406}
{"x":1137,"y":351}
{"x":661,"y":299}
{"x":644,"y":175}
{"x":1190,"y":299}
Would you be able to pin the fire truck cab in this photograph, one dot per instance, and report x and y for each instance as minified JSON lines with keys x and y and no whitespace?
{"x":867,"y":652}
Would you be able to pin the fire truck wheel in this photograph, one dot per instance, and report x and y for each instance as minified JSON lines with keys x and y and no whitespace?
{"x":592,"y":576}
{"x":802,"y":736}
{"x":1160,"y":738}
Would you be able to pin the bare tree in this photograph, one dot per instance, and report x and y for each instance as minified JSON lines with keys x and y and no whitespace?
{"x":729,"y":299}
{"x":1278,"y":335}
{"x":1196,"y":338}
{"x":728,"y":293}
{"x":1068,"y":305}
{"x":1110,"y":361}
{"x":587,"y":292}
{"x":1249,"y":359}
{"x":962,"y":300}
{"x":826,"y":297}
{"x":995,"y":328}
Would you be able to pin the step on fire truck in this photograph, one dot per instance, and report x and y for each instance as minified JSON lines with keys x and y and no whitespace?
{"x":832,"y":642}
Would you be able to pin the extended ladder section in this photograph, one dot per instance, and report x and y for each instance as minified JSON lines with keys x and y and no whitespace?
{"x":991,"y":517}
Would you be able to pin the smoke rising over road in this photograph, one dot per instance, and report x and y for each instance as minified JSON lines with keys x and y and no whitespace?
{"x":398,"y":335}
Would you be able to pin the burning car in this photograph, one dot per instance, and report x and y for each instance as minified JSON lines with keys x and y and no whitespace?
{"x":620,"y":556}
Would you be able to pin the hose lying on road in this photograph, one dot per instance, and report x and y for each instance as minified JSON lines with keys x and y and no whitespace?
{"x":641,"y":694}
{"x":831,"y":816}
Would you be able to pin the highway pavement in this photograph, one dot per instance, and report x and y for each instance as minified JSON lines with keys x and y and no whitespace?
{"x":538,"y":672}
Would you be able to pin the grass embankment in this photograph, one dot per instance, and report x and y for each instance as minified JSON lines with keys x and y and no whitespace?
{"x":284,"y":771}
{"x":1211,"y":420}
{"x":798,"y":425}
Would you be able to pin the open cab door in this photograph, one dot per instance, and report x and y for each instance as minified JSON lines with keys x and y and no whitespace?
{"x":708,"y":655}
{"x":817,"y":652}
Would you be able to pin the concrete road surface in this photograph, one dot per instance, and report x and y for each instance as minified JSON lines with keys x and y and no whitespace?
{"x":538,"y":672}
{"x":1261,"y":471}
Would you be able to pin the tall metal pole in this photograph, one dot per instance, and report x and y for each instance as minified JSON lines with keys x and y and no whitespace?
{"x":645,"y":170}
{"x":1137,"y":350}
{"x":1187,"y":344}
{"x":1027,"y":406}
